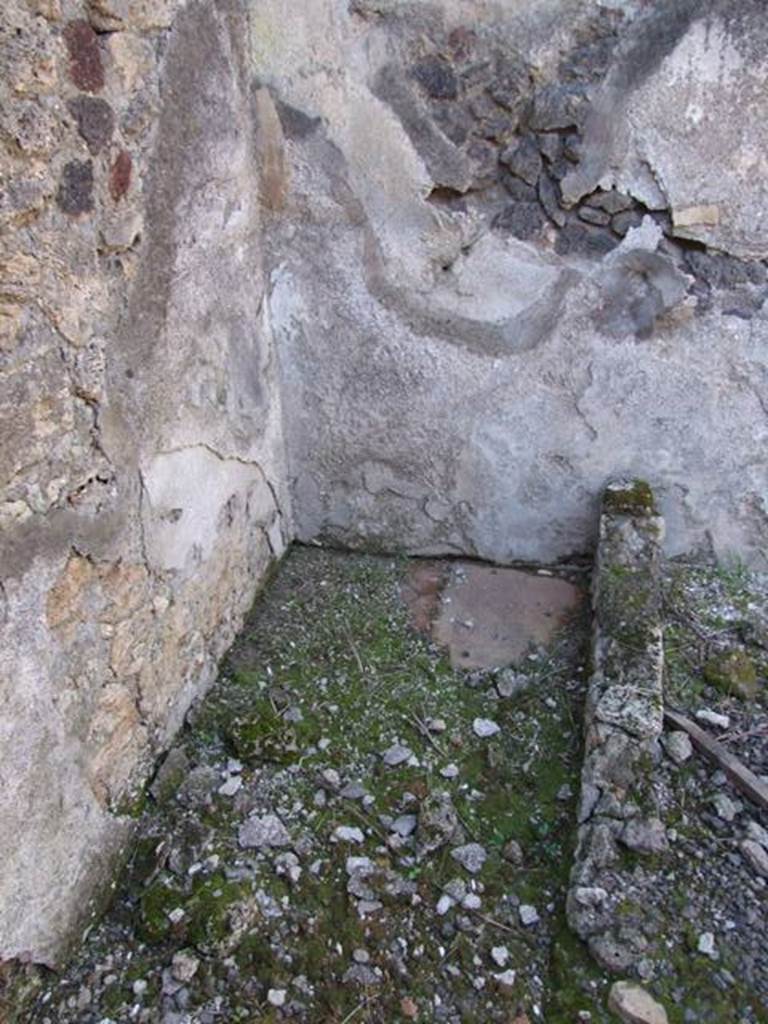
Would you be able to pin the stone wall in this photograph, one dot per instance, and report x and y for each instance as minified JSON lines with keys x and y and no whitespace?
{"x":523,"y":251}
{"x":142,"y":464}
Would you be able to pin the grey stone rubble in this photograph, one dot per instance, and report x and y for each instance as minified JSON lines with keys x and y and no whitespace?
{"x":396,"y":920}
{"x":634,"y":1005}
{"x":471,"y":857}
{"x":263,"y":831}
{"x":677,"y":746}
{"x":623,"y":722}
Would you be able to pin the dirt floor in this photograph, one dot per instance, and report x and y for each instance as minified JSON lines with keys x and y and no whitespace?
{"x":353,"y":828}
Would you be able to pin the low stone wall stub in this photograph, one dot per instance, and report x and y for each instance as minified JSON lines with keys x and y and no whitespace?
{"x":618,"y":815}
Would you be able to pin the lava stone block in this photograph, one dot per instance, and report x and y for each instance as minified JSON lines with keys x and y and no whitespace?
{"x":75,"y":194}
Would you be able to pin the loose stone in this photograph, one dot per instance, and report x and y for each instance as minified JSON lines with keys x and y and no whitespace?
{"x":757,"y":833}
{"x":725,"y":807}
{"x":634,"y":1005}
{"x":262,"y":831}
{"x":405,"y":825}
{"x":513,"y":852}
{"x":471,"y":856}
{"x":444,"y":904}
{"x":231,"y":786}
{"x":713,"y":718}
{"x":500,"y":955}
{"x":505,"y":981}
{"x":456,"y":888}
{"x":485,"y":727}
{"x":184,"y":965}
{"x":528,"y":915}
{"x":677,"y":746}
{"x":353,"y":791}
{"x":348,"y":834}
{"x":361,"y":974}
{"x":408,"y":1008}
{"x":509,"y":683}
{"x":359,"y":865}
{"x":706,"y":944}
{"x":396,"y":755}
{"x":645,"y":835}
{"x":437,"y":725}
{"x":756,"y":855}
{"x":331,"y":778}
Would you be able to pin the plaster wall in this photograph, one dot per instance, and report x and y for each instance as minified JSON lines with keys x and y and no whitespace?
{"x":470,"y":344}
{"x":143,"y":494}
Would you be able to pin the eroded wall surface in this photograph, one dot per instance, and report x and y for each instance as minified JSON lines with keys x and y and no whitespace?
{"x":141,"y":465}
{"x":522,"y":252}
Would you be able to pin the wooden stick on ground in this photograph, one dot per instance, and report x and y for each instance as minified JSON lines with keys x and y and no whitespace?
{"x":737,"y":772}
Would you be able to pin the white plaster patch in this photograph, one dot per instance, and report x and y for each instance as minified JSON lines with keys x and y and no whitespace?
{"x":185,"y":494}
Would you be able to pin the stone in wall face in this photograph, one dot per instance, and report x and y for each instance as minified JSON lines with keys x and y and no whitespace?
{"x":95,"y":121}
{"x":85,"y":67}
{"x":437,"y":78}
{"x":75,"y":194}
{"x":120,"y":175}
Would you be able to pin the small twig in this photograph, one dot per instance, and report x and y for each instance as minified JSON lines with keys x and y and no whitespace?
{"x":494,"y":923}
{"x":731,"y":737}
{"x":484,"y":917}
{"x":355,"y":651}
{"x":357,"y":1009}
{"x":737,"y":772}
{"x":470,"y":830}
{"x":689,"y":622}
{"x":423,"y":728}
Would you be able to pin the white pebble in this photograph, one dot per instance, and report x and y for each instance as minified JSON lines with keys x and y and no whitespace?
{"x":528,"y":915}
{"x":277,"y":996}
{"x":231,"y":786}
{"x":485,"y":727}
{"x":707,"y":944}
{"x":444,"y":904}
{"x":713,"y":718}
{"x":348,"y":834}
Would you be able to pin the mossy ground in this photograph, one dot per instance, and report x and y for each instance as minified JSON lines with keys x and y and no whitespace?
{"x":327,"y":674}
{"x":713,"y":622}
{"x":715,"y":631}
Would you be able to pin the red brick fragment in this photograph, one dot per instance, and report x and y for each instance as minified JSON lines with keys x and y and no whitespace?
{"x":85,"y":65}
{"x":120,"y":175}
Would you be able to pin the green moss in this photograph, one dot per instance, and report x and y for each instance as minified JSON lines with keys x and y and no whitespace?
{"x":132,"y":805}
{"x":20,"y":984}
{"x":574,"y":983}
{"x":633,"y":499}
{"x":255,"y":958}
{"x":209,"y":910}
{"x":733,"y":673}
{"x":156,"y":903}
{"x":144,"y":860}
